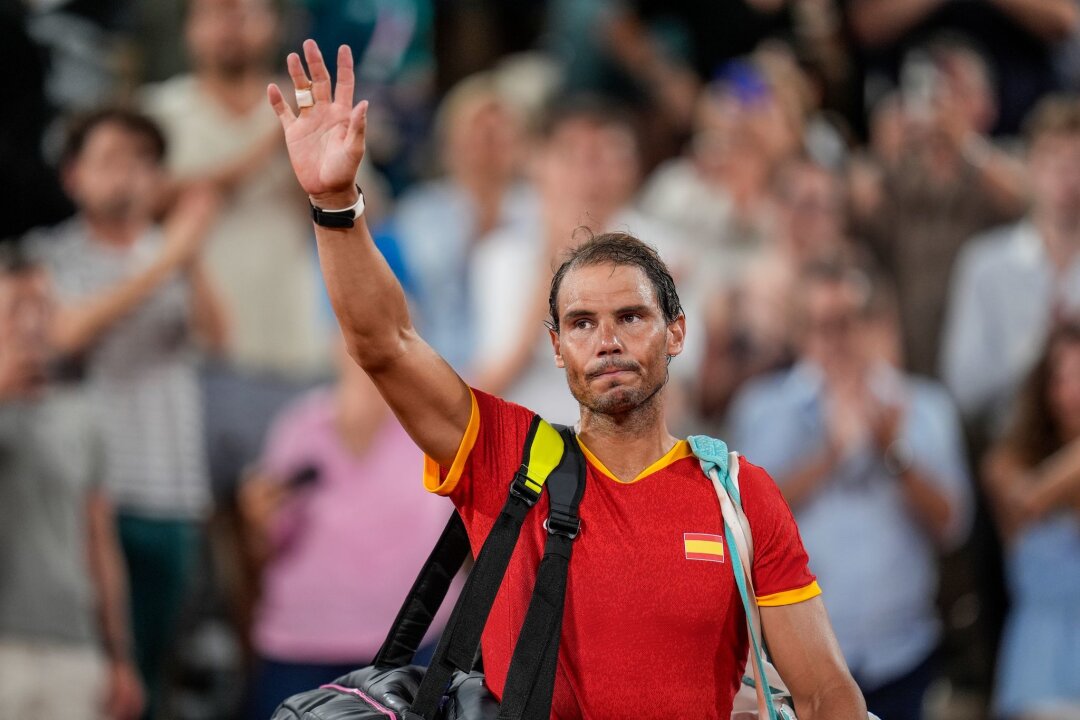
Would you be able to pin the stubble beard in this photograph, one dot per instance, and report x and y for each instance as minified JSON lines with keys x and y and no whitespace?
{"x":619,"y":405}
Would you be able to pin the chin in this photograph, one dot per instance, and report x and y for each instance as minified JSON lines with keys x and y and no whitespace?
{"x":617,"y":400}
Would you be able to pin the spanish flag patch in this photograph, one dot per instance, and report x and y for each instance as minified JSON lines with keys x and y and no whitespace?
{"x":700,"y":546}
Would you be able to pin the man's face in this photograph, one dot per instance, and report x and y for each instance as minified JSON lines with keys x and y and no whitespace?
{"x":832,"y":328}
{"x":812,"y":210}
{"x":484,"y":141}
{"x":1054,"y":163}
{"x":613,"y":340}
{"x":230,"y":36}
{"x":116,"y":176}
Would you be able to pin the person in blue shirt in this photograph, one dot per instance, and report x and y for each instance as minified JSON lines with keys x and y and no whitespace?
{"x":871,"y":461}
{"x":1033,"y":480}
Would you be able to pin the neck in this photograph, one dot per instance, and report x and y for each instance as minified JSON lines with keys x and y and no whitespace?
{"x":120,"y":233}
{"x":237,"y":91}
{"x":629,"y":442}
{"x":1060,"y":234}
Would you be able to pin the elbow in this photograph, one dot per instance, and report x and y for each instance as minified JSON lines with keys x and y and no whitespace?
{"x":376,"y":353}
{"x":839,"y":699}
{"x":67,"y":339}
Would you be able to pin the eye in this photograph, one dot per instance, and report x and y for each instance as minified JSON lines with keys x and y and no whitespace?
{"x":631,"y":318}
{"x":582,"y":324}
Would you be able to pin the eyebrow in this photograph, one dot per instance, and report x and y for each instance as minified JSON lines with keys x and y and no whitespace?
{"x":639,"y":309}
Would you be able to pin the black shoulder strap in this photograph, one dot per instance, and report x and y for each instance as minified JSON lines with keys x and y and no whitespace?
{"x":530,"y":682}
{"x":456,"y":650}
{"x":426,"y":596}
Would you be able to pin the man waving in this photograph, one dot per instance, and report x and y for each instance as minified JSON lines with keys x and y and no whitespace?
{"x":652,"y":617}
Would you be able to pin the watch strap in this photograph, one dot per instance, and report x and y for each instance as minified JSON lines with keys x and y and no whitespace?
{"x":339,"y":219}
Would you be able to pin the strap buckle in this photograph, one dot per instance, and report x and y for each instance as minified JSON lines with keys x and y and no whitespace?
{"x":564,"y":525}
{"x":520,"y":487}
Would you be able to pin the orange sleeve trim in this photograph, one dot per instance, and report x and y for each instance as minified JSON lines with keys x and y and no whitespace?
{"x":433,"y":480}
{"x":790,"y":597}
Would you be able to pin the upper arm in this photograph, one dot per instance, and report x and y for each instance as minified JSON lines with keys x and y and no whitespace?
{"x":804,"y":650}
{"x":428,"y":397}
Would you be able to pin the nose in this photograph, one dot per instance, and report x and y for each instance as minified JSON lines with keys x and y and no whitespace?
{"x":609,"y":339}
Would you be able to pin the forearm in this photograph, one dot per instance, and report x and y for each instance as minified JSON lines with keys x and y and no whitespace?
{"x":929,"y":504}
{"x":842,"y":701}
{"x":1057,"y":482}
{"x":1050,"y":20}
{"x":110,"y":584}
{"x":799,"y":486}
{"x":368,"y":300}
{"x":879,"y":22}
{"x":208,"y":316}
{"x":1003,"y":177}
{"x":76,"y":326}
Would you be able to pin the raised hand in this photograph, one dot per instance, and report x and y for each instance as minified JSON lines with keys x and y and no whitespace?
{"x":325,"y":141}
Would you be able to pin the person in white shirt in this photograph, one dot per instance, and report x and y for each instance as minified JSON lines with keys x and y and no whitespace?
{"x":1012,"y":283}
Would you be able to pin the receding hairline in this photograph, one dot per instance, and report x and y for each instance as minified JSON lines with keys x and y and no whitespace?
{"x":618,"y":249}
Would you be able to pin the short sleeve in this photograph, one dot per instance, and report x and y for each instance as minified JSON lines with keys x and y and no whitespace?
{"x":490,"y":453}
{"x":781,"y":570}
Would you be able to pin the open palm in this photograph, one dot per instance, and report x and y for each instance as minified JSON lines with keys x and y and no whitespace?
{"x":325,"y":141}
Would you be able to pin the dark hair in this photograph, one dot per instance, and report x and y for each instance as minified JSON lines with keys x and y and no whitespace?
{"x":1034,"y":434}
{"x":133,"y":122}
{"x":1054,"y":115}
{"x":619,"y":249}
{"x":14,"y":260}
{"x":592,"y":109}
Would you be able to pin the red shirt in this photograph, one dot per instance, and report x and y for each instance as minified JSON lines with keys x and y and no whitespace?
{"x":653,"y":624}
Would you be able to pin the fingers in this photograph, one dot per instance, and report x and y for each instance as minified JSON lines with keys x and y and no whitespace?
{"x":320,"y":76}
{"x":296,"y":72}
{"x":281,"y":108}
{"x":354,"y":137}
{"x":343,"y":94}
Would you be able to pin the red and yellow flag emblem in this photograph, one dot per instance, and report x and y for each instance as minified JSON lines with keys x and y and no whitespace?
{"x":701,"y":546}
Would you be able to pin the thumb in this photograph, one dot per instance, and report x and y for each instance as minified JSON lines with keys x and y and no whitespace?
{"x":357,"y":132}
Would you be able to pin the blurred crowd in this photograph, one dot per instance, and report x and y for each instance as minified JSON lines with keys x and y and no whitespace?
{"x":871,"y":209}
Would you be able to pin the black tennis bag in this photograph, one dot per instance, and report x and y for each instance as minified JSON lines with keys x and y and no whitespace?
{"x":452,"y":687}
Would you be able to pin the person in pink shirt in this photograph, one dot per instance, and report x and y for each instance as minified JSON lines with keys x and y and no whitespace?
{"x":340,"y":533}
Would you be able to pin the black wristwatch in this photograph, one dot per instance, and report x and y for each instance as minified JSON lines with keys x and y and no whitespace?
{"x":344,"y":218}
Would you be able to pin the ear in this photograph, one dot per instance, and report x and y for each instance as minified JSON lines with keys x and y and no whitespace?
{"x":68,"y":179}
{"x":676,"y":336}
{"x":556,"y":346}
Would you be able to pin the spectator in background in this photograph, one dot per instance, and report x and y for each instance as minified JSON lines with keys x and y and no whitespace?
{"x":134,"y":298}
{"x":220,"y":131}
{"x":872,"y":463}
{"x":440,"y":223}
{"x":1018,"y":36}
{"x":334,"y":489}
{"x":748,"y":322}
{"x":1014,"y":282}
{"x":1033,"y":478}
{"x":65,"y":650}
{"x":948,"y":183}
{"x":587,"y":169}
{"x":717,"y":196}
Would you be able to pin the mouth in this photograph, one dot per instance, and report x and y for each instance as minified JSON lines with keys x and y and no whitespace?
{"x":610,"y":372}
